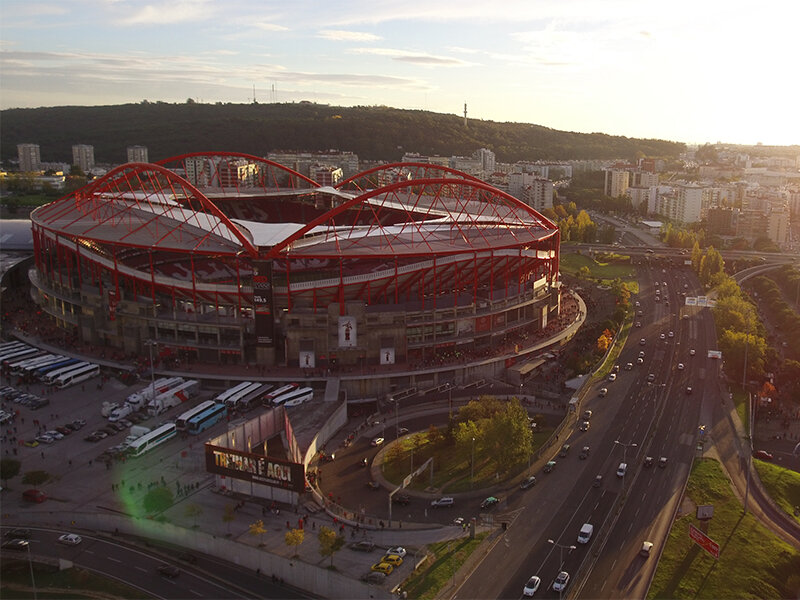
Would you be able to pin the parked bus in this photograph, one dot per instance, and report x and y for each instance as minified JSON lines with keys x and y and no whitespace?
{"x":31,"y":365}
{"x":42,"y":371}
{"x":297,"y":396}
{"x":254,"y":398}
{"x":18,"y":355}
{"x":6,"y":346}
{"x":232,"y":401}
{"x":15,"y":367}
{"x":183,"y":419}
{"x":269,"y":399}
{"x":150,"y":440}
{"x":78,"y":375}
{"x":209,"y":417}
{"x":51,"y":376}
{"x":231,"y":391}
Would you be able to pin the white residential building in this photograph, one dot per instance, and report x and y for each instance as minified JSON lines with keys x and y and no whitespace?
{"x":616,"y":182}
{"x":29,"y":158}
{"x":137,"y":154}
{"x":83,"y":156}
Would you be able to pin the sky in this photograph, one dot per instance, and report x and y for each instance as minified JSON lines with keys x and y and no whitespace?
{"x":698,"y":71}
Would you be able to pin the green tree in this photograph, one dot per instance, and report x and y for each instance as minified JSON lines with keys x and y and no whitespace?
{"x":697,"y":257}
{"x":710,"y":266}
{"x":734,"y":345}
{"x":9,"y":468}
{"x":35,"y":478}
{"x":158,"y":499}
{"x":329,"y":542}
{"x":294,"y":537}
{"x":508,"y":437}
{"x":193,"y":510}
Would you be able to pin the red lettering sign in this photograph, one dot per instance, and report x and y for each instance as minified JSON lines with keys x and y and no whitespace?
{"x":705,"y":542}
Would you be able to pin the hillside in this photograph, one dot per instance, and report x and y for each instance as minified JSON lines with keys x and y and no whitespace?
{"x":373,"y":133}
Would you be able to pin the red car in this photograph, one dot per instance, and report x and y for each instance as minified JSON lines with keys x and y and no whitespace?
{"x":762,"y":454}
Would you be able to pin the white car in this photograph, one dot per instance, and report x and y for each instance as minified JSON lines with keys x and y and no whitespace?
{"x":671,"y":334}
{"x":398,"y":550}
{"x":692,"y":352}
{"x":560,"y":584}
{"x":70,"y":539}
{"x":376,"y":441}
{"x":531,"y":587}
{"x":54,"y":434}
{"x":662,"y":337}
{"x":680,"y":366}
{"x":612,"y":377}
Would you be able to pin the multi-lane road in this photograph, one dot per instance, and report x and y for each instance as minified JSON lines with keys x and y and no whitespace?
{"x":637,"y":418}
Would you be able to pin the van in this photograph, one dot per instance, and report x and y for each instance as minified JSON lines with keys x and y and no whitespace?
{"x":34,"y":496}
{"x":446,"y":501}
{"x":585,"y":533}
{"x":621,"y":469}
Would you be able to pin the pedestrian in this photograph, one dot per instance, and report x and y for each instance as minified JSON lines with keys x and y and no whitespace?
{"x":42,"y":455}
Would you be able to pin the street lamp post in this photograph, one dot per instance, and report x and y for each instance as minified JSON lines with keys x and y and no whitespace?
{"x":150,"y":344}
{"x":624,"y":456}
{"x":450,"y":401}
{"x":472,"y":466}
{"x":561,"y":555}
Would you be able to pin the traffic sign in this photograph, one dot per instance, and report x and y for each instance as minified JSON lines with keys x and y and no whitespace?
{"x":705,"y":542}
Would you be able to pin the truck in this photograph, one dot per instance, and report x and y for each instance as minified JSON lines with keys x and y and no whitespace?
{"x":139,"y":399}
{"x":139,"y":430}
{"x":120,"y":412}
{"x":173,"y":397}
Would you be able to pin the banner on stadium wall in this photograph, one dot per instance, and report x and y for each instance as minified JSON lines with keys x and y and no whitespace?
{"x":483,"y":323}
{"x":307,"y":359}
{"x":387,"y":356}
{"x":544,"y":317}
{"x":113,"y":300}
{"x":348,"y":332}
{"x":464,"y":326}
{"x":263,"y":303}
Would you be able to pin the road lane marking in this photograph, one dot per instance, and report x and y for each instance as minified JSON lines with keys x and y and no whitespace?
{"x":116,"y":560}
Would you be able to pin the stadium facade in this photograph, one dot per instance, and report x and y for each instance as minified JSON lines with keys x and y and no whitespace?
{"x":231,"y":258}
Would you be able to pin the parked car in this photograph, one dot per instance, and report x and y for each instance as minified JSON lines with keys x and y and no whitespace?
{"x":402,"y":499}
{"x":763,"y":455}
{"x":392,"y":559}
{"x":15,"y":545}
{"x":362,"y":546}
{"x":19,"y":533}
{"x":398,"y":550}
{"x":33,"y":495}
{"x":382,"y":567}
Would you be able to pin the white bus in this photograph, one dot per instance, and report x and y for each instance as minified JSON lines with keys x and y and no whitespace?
{"x":51,"y":376}
{"x":295,"y":397}
{"x":150,"y":440}
{"x":232,"y":401}
{"x":231,"y":391}
{"x":14,"y":367}
{"x":6,"y":346}
{"x":18,"y":355}
{"x":78,"y":375}
{"x":269,"y":399}
{"x":64,"y":362}
{"x":29,"y":366}
{"x":183,"y":419}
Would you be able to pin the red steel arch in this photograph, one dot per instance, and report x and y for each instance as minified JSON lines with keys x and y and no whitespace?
{"x":416,"y":168}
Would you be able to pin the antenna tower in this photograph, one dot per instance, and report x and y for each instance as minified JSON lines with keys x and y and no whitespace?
{"x":465,"y":114}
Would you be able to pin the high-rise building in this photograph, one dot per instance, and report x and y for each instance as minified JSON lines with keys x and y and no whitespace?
{"x":326,"y":174}
{"x":488,"y":160}
{"x":137,"y":154}
{"x":83,"y":156}
{"x":29,"y":157}
{"x":616,"y":182}
{"x":538,"y":194}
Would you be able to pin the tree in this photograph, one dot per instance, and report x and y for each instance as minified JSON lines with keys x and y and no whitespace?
{"x":35,"y":478}
{"x":228,"y":516}
{"x":710,"y":266}
{"x":158,"y":499}
{"x":193,"y":511}
{"x":294,"y":537}
{"x":329,"y":542}
{"x":257,"y":528}
{"x":9,"y":468}
{"x":508,"y":437}
{"x":605,"y":339}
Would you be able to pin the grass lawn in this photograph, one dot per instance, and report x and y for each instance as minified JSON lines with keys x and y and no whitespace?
{"x":753,"y":563}
{"x":607,"y":272}
{"x":451,"y":465}
{"x":783,"y":485}
{"x":445,"y":559}
{"x":57,"y":585}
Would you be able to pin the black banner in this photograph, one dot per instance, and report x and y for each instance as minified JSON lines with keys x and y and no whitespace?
{"x":255,"y":467}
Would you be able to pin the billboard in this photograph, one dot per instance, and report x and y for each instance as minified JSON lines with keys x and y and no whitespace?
{"x":705,"y":542}
{"x":387,"y":356}
{"x":257,"y":468}
{"x":307,"y":359}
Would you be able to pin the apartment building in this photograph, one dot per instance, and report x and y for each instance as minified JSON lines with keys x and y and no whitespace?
{"x":83,"y":157}
{"x":30,"y":159}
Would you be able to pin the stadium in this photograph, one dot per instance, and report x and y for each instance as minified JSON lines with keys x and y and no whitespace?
{"x":228,"y":258}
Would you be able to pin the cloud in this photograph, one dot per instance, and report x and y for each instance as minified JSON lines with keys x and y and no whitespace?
{"x":264,"y":26}
{"x":412,"y":57}
{"x":338,"y":35}
{"x":175,"y":11}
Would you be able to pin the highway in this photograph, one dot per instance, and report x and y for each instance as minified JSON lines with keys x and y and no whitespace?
{"x":660,"y":418}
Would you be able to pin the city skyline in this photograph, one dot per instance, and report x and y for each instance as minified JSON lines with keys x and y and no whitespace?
{"x":702,"y":72}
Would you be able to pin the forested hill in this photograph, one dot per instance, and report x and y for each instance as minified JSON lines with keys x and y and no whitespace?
{"x":373,"y":133}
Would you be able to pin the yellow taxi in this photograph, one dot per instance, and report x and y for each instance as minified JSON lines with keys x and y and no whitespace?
{"x":382,"y":567}
{"x":393,"y":559}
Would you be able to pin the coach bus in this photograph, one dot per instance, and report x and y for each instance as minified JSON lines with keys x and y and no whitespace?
{"x":183,"y":419}
{"x":17,"y":366}
{"x":232,"y":391}
{"x":232,"y":401}
{"x":269,"y":399}
{"x":50,"y":377}
{"x":65,"y":362}
{"x":209,"y":417}
{"x":294,"y":397}
{"x":18,"y":355}
{"x":6,"y":346}
{"x":77,"y":375}
{"x":31,"y":365}
{"x":150,"y":440}
{"x":254,"y":398}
